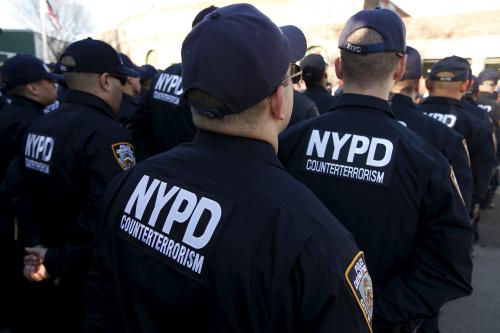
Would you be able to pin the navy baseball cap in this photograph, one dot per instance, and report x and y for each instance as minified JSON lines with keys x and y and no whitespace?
{"x":201,"y":15}
{"x":489,"y":75}
{"x":386,"y":22}
{"x":413,"y":69}
{"x":23,"y":69}
{"x":130,"y":65}
{"x":458,"y":66}
{"x":313,"y":67}
{"x":238,"y":55}
{"x":148,"y":72}
{"x":94,"y":56}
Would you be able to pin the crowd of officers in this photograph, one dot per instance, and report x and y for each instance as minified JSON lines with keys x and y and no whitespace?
{"x":213,"y":196}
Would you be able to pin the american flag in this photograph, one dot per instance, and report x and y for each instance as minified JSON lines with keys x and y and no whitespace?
{"x":52,"y":15}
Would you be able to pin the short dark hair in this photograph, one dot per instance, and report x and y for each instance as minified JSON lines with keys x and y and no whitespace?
{"x":366,"y":70}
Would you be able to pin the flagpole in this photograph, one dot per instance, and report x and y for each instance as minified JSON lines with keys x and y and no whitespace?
{"x":45,"y":53}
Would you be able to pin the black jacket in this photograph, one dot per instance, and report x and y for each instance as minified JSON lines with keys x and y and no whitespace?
{"x":396,"y":194}
{"x":303,"y":109}
{"x":68,"y":158}
{"x":321,"y":97}
{"x":487,"y":102}
{"x":479,"y":137}
{"x":215,"y":236}
{"x":163,"y":120}
{"x":128,"y":108}
{"x":447,"y":141}
{"x":14,"y":120}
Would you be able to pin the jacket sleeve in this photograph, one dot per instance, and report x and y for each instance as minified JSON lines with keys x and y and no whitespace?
{"x":441,"y":268}
{"x":99,"y":287}
{"x":140,"y":128}
{"x":106,"y":158}
{"x":458,"y":154}
{"x":482,"y":156}
{"x":327,"y":303}
{"x":15,"y":184}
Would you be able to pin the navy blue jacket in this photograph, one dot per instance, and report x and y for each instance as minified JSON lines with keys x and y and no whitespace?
{"x":303,"y":109}
{"x":479,"y":137}
{"x":447,"y":141}
{"x":321,"y":97}
{"x":396,"y":194}
{"x":68,"y":158}
{"x":163,"y":120}
{"x":215,"y":236}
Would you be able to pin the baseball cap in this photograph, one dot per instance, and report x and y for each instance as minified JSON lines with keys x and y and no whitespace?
{"x":474,"y":87}
{"x":313,"y":67}
{"x":201,"y":15}
{"x":94,"y":56}
{"x":458,"y":66}
{"x":23,"y":69}
{"x":238,"y":55}
{"x":130,"y":65}
{"x":488,"y":75}
{"x":413,"y":69}
{"x":386,"y":22}
{"x":148,"y":72}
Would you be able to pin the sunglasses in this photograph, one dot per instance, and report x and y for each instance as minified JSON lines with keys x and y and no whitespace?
{"x":119,"y":77}
{"x":295,"y":74}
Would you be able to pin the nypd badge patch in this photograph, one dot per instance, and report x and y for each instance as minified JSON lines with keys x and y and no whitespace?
{"x":361,"y":286}
{"x":124,"y":154}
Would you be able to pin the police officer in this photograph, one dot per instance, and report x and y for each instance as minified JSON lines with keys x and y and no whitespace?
{"x":163,"y":120}
{"x":447,"y":141}
{"x":315,"y":77}
{"x":68,"y":158}
{"x":470,"y":105}
{"x":488,"y":80}
{"x":31,"y":88}
{"x":198,"y":244}
{"x":131,"y":91}
{"x":148,"y":73}
{"x":303,"y":108}
{"x":486,"y":100}
{"x":447,"y":83}
{"x":395,"y":192}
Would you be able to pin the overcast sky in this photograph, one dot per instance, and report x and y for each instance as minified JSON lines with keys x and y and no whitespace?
{"x":106,"y":14}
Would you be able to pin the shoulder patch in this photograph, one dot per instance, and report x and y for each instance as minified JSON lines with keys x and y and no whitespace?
{"x":360,"y":282}
{"x":455,"y":182}
{"x":466,"y":148}
{"x":124,"y":154}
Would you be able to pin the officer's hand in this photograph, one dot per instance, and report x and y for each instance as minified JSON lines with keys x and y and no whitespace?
{"x":474,"y":213}
{"x":34,"y":270}
{"x":35,"y":273}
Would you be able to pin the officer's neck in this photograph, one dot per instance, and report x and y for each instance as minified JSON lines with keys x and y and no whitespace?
{"x":447,"y":93}
{"x":381,"y":91}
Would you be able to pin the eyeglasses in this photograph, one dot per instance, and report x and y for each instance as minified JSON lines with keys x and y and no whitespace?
{"x":119,"y":77}
{"x":295,"y":75}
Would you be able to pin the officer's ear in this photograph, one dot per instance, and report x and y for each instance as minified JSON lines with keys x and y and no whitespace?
{"x":31,"y":89}
{"x":130,"y":80}
{"x":276,"y":103}
{"x":464,"y":87}
{"x":400,"y":68}
{"x":105,"y":82}
{"x":338,"y":68}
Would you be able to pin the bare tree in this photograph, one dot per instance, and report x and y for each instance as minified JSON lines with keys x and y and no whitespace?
{"x":74,"y":19}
